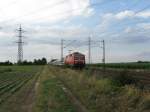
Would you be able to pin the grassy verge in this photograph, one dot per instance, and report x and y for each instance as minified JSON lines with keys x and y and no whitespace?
{"x":50,"y":95}
{"x":104,"y":94}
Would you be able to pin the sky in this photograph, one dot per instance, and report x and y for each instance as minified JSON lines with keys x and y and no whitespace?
{"x":123,"y":24}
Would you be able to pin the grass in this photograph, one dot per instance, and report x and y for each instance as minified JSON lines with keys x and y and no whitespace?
{"x":51,"y":97}
{"x":97,"y":94}
{"x":19,"y":69}
{"x":104,"y":94}
{"x":133,"y":65}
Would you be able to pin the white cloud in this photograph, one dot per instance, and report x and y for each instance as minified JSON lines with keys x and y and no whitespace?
{"x":128,"y":30}
{"x":8,"y":53}
{"x":132,"y":14}
{"x":41,"y":50}
{"x":145,"y":14}
{"x":41,"y":35}
{"x":124,"y":14}
{"x":53,"y":32}
{"x":47,"y":10}
{"x":145,"y":26}
{"x":109,"y":19}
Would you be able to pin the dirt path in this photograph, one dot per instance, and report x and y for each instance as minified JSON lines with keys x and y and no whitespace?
{"x":78,"y":105}
{"x":29,"y":96}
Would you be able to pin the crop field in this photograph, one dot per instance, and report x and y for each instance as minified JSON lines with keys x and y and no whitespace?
{"x":56,"y":89}
{"x":13,"y":85}
{"x":124,"y":65}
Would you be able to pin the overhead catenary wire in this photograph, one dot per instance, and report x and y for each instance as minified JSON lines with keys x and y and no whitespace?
{"x":35,"y":11}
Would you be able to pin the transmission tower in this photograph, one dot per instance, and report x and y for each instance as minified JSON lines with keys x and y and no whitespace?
{"x":20,"y":45}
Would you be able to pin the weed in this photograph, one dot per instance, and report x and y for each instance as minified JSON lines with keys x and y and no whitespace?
{"x":105,"y":94}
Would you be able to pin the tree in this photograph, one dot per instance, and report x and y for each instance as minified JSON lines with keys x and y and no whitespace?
{"x":44,"y":61}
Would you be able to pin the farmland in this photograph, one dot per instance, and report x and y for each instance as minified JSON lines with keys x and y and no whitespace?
{"x":132,"y":65}
{"x":55,"y":89}
{"x":15,"y":84}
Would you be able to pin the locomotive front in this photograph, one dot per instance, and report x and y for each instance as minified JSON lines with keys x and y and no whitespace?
{"x":75,"y":59}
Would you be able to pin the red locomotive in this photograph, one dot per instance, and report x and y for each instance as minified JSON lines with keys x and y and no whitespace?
{"x":75,"y":59}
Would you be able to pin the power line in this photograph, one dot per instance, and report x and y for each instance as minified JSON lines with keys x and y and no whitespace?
{"x":69,"y":11}
{"x":78,"y":9}
{"x":63,"y":46}
{"x":59,"y":13}
{"x":142,"y":9}
{"x":137,"y":11}
{"x":36,"y":11}
{"x":43,"y":8}
{"x":134,"y":14}
{"x":10,"y":3}
{"x":70,"y":43}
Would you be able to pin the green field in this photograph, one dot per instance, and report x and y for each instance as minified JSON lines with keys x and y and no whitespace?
{"x":133,"y":65}
{"x":31,"y":89}
{"x":13,"y":85}
{"x":55,"y":89}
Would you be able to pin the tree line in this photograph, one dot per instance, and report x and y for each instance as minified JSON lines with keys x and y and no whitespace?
{"x":42,"y":61}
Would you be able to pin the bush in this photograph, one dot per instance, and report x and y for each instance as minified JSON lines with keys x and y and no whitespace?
{"x":42,"y":61}
{"x":5,"y":70}
{"x":125,"y":79}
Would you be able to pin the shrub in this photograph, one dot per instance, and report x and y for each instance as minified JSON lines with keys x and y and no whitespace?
{"x":125,"y":79}
{"x":5,"y":70}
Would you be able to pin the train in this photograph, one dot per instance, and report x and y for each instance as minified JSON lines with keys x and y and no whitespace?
{"x":75,"y":59}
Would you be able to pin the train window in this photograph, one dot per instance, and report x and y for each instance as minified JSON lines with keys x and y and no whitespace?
{"x":82,"y":58}
{"x":76,"y":58}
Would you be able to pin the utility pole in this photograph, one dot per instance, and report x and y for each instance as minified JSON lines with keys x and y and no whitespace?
{"x":103,"y":60}
{"x":62,"y":50}
{"x":20,"y":45}
{"x":89,"y":45}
